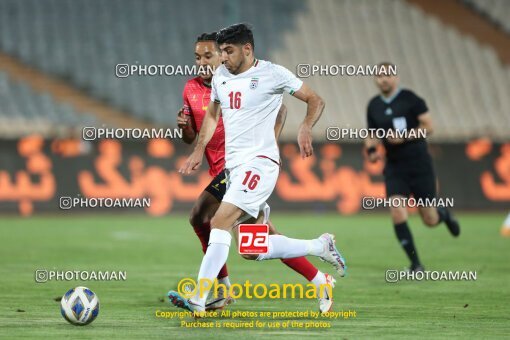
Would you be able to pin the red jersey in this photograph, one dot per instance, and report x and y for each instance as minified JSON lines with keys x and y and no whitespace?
{"x":196,"y":97}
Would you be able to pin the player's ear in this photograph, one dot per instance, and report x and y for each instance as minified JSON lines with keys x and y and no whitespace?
{"x":246,"y":49}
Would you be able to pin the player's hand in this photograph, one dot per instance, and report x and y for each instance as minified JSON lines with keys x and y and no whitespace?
{"x":193,"y":162}
{"x":305,"y":141}
{"x":182,"y":119}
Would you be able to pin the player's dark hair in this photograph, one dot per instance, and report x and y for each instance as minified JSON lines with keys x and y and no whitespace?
{"x":386,"y":64}
{"x":237,"y":34}
{"x":208,"y":37}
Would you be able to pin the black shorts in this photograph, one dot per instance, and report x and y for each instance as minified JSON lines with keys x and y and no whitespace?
{"x":406,"y":178}
{"x":218,"y":186}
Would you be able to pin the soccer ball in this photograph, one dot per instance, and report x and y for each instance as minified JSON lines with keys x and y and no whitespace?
{"x":79,"y":306}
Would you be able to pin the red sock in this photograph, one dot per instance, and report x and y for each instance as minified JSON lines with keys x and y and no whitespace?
{"x":203,"y":232}
{"x":302,"y":266}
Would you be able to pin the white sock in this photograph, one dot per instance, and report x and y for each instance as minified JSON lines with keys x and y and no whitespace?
{"x":224,"y":280}
{"x":223,"y":292}
{"x":319,"y":279}
{"x":215,"y":257}
{"x":282,"y":247}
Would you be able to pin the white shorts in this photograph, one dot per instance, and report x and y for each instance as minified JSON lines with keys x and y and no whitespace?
{"x":249,"y":185}
{"x":266,"y":211}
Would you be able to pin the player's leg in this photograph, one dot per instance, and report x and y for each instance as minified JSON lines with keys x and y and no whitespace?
{"x":203,"y":211}
{"x":299,"y":264}
{"x":433,"y":216}
{"x":200,"y":219}
{"x":423,"y":187}
{"x":215,"y":257}
{"x":399,"y":218}
{"x":217,"y":251}
{"x":312,"y":274}
{"x":247,"y":195}
{"x":505,"y":228}
{"x":397,"y":187}
{"x":249,"y":186}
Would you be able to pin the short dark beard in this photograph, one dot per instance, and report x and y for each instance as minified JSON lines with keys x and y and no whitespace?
{"x":386,"y":93}
{"x":236,"y":71}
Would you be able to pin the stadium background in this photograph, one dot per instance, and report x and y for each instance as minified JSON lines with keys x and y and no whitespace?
{"x":57,"y":75}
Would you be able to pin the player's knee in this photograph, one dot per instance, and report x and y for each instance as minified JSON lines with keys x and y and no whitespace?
{"x":430,"y":220}
{"x":399,"y":215}
{"x":221,"y":221}
{"x":214,"y":221}
{"x":252,"y":257}
{"x":196,"y":217}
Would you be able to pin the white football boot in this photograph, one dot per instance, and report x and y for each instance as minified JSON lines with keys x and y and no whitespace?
{"x":325,"y":300}
{"x":219,"y":302}
{"x":331,"y":255}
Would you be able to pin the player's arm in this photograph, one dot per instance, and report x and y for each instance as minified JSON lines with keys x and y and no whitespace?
{"x":371,"y":143}
{"x":425,"y":123}
{"x":371,"y":149}
{"x":315,"y":107}
{"x":185,"y":119}
{"x":206,"y":132}
{"x":280,"y":121}
{"x":184,"y":122}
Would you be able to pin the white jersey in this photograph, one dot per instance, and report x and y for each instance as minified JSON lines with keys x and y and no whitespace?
{"x":250,"y":102}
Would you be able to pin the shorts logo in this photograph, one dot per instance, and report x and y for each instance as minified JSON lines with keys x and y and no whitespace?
{"x":253,"y":238}
{"x":254,"y":83}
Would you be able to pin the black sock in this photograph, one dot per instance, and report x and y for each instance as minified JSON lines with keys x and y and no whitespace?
{"x":406,"y":241}
{"x":443,"y":214}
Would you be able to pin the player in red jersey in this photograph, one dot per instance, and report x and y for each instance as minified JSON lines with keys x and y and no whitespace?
{"x":196,"y":97}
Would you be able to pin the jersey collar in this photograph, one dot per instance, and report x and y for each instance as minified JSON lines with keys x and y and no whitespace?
{"x":388,"y":100}
{"x":248,"y":71}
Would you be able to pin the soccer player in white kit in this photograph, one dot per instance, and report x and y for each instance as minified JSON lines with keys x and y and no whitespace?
{"x":249,"y":94}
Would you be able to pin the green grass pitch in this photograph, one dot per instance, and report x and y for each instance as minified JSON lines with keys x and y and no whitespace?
{"x":158,"y":252}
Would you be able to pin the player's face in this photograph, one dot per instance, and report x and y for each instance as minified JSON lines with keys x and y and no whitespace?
{"x":234,"y":56}
{"x":207,"y":56}
{"x":386,"y":84}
